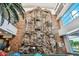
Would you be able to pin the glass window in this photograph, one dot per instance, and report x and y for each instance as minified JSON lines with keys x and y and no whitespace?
{"x":68,"y":19}
{"x":74,"y":43}
{"x":71,"y":14}
{"x":77,"y":7}
{"x":72,"y":7}
{"x":75,"y":14}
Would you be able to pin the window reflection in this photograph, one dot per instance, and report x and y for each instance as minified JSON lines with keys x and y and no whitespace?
{"x":71,"y":14}
{"x":74,"y":43}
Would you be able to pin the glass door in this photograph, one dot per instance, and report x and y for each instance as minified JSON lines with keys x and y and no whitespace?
{"x":74,"y":43}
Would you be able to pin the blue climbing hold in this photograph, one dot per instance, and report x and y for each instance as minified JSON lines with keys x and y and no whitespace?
{"x":37,"y":54}
{"x":15,"y":54}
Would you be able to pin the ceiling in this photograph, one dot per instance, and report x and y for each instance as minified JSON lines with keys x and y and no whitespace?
{"x":42,"y":5}
{"x":51,"y":6}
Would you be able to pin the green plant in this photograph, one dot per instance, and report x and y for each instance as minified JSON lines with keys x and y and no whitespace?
{"x":71,"y":42}
{"x":11,"y":11}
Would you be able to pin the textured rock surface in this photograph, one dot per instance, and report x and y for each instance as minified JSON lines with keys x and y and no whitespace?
{"x":39,"y":30}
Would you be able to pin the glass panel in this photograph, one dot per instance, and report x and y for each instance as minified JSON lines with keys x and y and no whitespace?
{"x":71,"y":14}
{"x":67,"y":19}
{"x":72,"y":7}
{"x":77,"y":7}
{"x":74,"y":12}
{"x":74,"y":42}
{"x":76,"y":15}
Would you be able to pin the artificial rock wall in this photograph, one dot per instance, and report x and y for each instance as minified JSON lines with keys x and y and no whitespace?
{"x":40,"y":28}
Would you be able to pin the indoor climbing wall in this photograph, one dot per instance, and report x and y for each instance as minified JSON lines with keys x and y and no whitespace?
{"x":39,"y":30}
